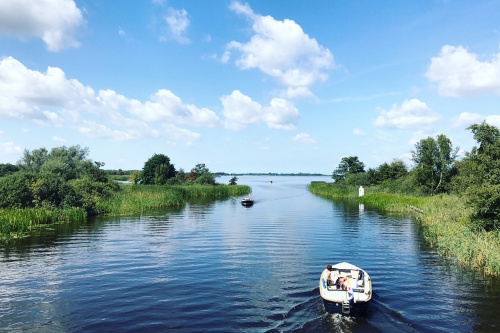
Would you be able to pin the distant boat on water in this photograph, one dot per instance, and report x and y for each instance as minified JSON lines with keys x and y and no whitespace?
{"x":247,"y":201}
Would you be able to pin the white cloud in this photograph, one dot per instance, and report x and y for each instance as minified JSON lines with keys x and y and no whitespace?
{"x":55,"y":21}
{"x":181,"y":135}
{"x":24,"y":91}
{"x":58,"y":139}
{"x":460,"y":74}
{"x":51,"y":99}
{"x":465,"y":119}
{"x":9,"y":148}
{"x":100,"y":131}
{"x":304,"y":138}
{"x":304,"y":62}
{"x":167,"y":107}
{"x":241,"y":111}
{"x":412,"y":113}
{"x":177,"y":23}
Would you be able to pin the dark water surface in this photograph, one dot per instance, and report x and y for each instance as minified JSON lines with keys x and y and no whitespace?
{"x":221,"y":267}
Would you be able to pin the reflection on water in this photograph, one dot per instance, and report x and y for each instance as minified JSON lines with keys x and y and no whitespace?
{"x":218,"y":266}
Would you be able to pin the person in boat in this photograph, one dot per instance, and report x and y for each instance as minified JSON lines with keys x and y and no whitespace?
{"x":331,"y":277}
{"x":349,"y":284}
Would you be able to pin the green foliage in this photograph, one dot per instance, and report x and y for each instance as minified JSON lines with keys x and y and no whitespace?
{"x":135,"y":177}
{"x":348,"y":166}
{"x":233,"y":180}
{"x":205,"y":179}
{"x":15,"y":190}
{"x":434,"y":159}
{"x":17,"y":222}
{"x":479,"y":177}
{"x":135,"y":199}
{"x":157,"y":168}
{"x":8,"y":169}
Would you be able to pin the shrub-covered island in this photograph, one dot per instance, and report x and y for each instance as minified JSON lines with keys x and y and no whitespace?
{"x":64,"y":185}
{"x":457,"y":202}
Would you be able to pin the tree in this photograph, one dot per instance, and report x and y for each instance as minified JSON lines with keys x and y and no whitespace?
{"x":348,"y":166}
{"x":200,"y":169}
{"x":153,"y":171}
{"x":233,"y":180}
{"x":135,"y":177}
{"x":434,"y":159}
{"x":479,"y":177}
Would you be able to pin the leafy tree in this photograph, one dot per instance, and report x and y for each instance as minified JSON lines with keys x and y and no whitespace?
{"x":7,"y":169}
{"x":15,"y":189}
{"x":48,"y":180}
{"x":33,"y":161}
{"x":135,"y":177}
{"x":233,"y":180}
{"x":205,"y":179}
{"x":479,"y":176}
{"x":200,"y":169}
{"x":434,"y":159}
{"x":348,"y":166}
{"x":153,"y":171}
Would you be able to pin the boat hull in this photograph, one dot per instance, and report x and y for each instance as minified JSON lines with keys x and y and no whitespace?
{"x":356,"y":309}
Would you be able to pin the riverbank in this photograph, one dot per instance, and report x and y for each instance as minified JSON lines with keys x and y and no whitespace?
{"x":129,"y":199}
{"x":445,"y":223}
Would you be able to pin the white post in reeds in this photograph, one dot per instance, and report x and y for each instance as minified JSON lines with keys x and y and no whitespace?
{"x":361,"y":191}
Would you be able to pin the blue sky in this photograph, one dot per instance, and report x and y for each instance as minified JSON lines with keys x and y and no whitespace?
{"x":257,"y":86}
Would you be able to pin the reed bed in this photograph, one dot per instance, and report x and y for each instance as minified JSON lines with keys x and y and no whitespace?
{"x":138,"y":198}
{"x":445,"y":222}
{"x":130,"y":199}
{"x":15,"y":223}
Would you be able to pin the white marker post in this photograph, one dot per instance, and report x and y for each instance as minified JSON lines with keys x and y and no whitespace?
{"x":361,"y":191}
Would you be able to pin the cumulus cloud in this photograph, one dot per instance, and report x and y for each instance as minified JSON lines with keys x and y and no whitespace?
{"x":240,"y":111}
{"x":281,"y":50}
{"x":167,"y":107}
{"x":465,"y":119}
{"x":51,"y":99}
{"x":411,"y":114}
{"x":54,"y":21}
{"x":304,"y":138}
{"x":23,"y":91}
{"x":460,"y":74}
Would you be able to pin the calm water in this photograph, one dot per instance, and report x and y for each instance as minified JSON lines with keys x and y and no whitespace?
{"x":221,"y":267}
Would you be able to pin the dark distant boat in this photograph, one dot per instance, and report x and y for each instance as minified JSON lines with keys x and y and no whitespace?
{"x":349,"y":301}
{"x":247,"y":201}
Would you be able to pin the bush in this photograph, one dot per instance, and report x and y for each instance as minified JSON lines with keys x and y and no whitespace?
{"x":485,"y":201}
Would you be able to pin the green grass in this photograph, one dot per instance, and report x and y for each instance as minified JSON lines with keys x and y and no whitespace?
{"x":138,"y":198}
{"x":445,"y":223}
{"x":130,"y":199}
{"x":16,"y":223}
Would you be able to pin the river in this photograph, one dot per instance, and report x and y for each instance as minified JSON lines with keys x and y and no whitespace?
{"x":216,"y":266}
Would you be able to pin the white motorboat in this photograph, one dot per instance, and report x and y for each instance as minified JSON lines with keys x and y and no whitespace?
{"x":348,"y":301}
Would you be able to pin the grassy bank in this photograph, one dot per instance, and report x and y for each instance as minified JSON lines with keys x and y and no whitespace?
{"x":445,"y":223}
{"x":137,"y":198}
{"x":16,"y":223}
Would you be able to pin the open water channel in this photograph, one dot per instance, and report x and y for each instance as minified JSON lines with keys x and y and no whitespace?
{"x":221,"y":267}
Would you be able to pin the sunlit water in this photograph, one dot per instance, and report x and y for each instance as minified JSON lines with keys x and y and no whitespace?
{"x":221,"y":267}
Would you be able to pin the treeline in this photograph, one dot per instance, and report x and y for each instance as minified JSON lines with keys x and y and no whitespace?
{"x":63,"y":184}
{"x":437,"y":170}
